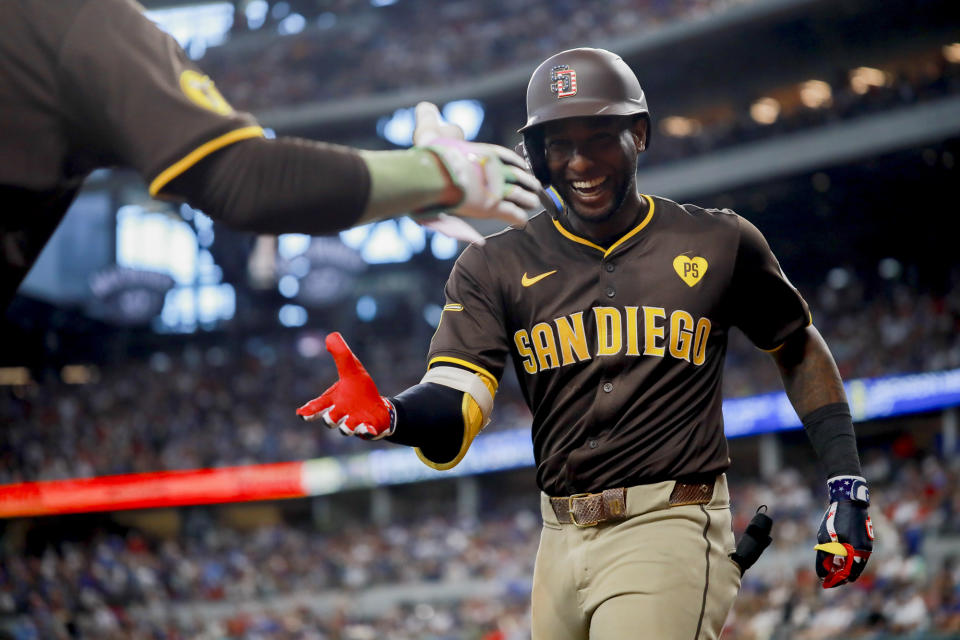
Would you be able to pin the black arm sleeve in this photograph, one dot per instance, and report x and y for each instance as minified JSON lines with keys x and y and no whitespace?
{"x":430,"y":416}
{"x":830,"y":429}
{"x":287,"y":185}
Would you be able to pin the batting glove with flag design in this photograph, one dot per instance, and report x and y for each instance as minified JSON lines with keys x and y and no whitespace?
{"x":494,"y":180}
{"x":353,"y":405}
{"x":845,"y":535}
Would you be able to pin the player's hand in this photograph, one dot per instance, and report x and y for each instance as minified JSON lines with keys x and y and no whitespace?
{"x":494,"y":181}
{"x":845,"y":535}
{"x":353,"y":405}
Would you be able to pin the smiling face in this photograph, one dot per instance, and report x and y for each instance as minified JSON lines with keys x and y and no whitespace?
{"x":593,"y":165}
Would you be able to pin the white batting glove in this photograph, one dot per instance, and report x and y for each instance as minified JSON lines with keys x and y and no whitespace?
{"x":494,"y":180}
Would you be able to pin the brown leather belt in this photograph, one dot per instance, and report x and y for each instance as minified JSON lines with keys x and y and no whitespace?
{"x":590,"y":509}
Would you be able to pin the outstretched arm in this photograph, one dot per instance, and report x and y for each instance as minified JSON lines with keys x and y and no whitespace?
{"x":440,"y":416}
{"x":293,"y":185}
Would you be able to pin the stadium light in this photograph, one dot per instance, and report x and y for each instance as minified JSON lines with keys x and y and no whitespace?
{"x":15,"y":376}
{"x":288,"y":286}
{"x":838,"y":278}
{"x":466,"y":114}
{"x":292,"y":315}
{"x":366,"y":308}
{"x":432,"y":313}
{"x":412,"y":233}
{"x":889,"y":268}
{"x":389,"y":241}
{"x":215,"y":302}
{"x":208,"y":271}
{"x":156,"y":242}
{"x":862,"y":78}
{"x":291,"y":245}
{"x":256,"y":13}
{"x":952,"y":53}
{"x":196,"y":26}
{"x":205,"y":234}
{"x":397,"y":128}
{"x":292,"y":24}
{"x":680,"y":127}
{"x":765,"y":111}
{"x":385,"y":244}
{"x":816,"y":94}
{"x":443,"y":247}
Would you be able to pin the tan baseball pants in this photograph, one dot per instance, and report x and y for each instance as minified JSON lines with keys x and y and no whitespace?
{"x":663,"y":573}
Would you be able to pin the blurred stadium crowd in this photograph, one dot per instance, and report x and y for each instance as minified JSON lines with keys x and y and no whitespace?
{"x":257,"y":72}
{"x":844,"y":97}
{"x":456,"y":41}
{"x":214,"y":581}
{"x":234,"y":404}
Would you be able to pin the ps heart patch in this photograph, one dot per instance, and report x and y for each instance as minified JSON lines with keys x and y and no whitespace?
{"x":690,"y":270}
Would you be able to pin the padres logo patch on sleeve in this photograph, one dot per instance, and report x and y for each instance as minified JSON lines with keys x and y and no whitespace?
{"x":201,"y":91}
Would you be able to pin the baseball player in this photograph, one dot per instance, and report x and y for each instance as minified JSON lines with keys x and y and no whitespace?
{"x":615,"y":309}
{"x":93,"y":83}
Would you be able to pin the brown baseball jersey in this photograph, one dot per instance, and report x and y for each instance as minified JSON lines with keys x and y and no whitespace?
{"x":619,"y":350}
{"x":87,"y":84}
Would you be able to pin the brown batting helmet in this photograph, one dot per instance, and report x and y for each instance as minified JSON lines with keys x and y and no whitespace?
{"x":577,"y":83}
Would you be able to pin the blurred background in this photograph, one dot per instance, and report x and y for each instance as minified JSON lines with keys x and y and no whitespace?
{"x":149,"y":339}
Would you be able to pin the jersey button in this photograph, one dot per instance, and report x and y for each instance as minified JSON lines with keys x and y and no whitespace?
{"x":593,"y":444}
{"x":609,"y":267}
{"x":611,"y":292}
{"x":607,"y":387}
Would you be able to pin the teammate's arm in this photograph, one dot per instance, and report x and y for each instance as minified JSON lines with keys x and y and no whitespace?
{"x":295,"y":185}
{"x":145,"y":105}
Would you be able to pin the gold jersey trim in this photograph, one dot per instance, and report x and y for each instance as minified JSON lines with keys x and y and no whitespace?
{"x":606,"y":252}
{"x":200,"y":153}
{"x":469,"y":365}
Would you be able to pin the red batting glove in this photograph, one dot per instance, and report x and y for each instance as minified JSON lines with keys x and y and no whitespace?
{"x":353,"y":405}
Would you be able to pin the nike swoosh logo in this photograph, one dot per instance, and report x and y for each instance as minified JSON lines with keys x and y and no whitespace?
{"x":525,"y":281}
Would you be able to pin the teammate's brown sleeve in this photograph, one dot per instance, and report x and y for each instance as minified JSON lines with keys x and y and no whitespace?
{"x":278,"y":186}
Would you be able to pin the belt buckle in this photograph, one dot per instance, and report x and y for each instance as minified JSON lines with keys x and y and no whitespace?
{"x":573,"y":518}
